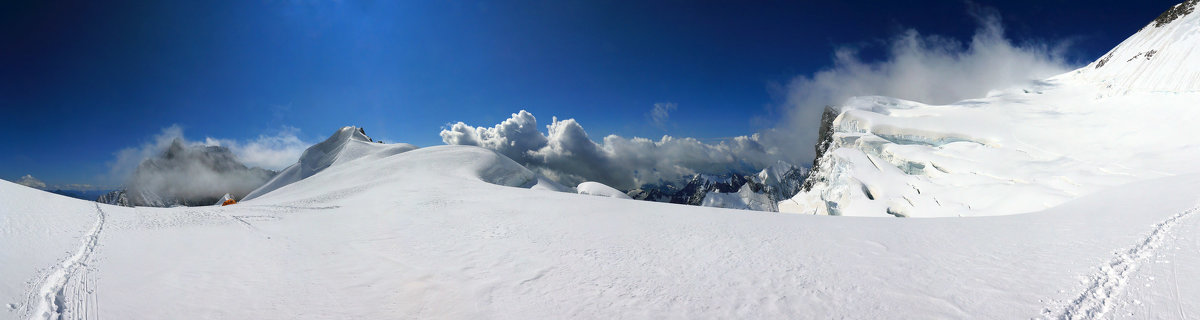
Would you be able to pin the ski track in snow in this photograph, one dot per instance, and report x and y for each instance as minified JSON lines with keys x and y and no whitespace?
{"x":52,"y":298}
{"x":1107,"y":284}
{"x":1175,"y":278}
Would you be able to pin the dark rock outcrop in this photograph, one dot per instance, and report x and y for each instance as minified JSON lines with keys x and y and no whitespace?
{"x":824,"y":140}
{"x":1175,"y":12}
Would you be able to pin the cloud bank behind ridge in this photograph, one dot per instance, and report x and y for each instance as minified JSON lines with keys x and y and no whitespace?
{"x":925,"y":68}
{"x":566,"y":153}
{"x":272,"y":152}
{"x":170,"y":169}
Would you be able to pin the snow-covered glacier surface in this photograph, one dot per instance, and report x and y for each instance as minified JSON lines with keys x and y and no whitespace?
{"x":357,"y":229}
{"x":1129,"y":116}
{"x":458,"y":232}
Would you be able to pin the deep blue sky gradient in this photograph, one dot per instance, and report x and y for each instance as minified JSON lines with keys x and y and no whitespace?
{"x":82,"y":80}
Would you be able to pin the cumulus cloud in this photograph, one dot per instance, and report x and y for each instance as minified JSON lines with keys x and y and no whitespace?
{"x":661,"y":113}
{"x":513,"y":137}
{"x":567,"y":154}
{"x":925,"y":68}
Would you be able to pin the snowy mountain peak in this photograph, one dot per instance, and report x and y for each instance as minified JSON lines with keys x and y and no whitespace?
{"x":187,"y":175}
{"x":762,"y":191}
{"x":346,"y":144}
{"x":350,"y":133}
{"x":29,"y":181}
{"x":1164,"y":56}
{"x":327,"y":152}
{"x":709,"y":179}
{"x":1175,"y":12}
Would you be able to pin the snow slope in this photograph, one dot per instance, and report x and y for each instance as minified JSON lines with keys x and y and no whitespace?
{"x":346,"y":144}
{"x":439,"y":233}
{"x":363,"y":230}
{"x":1161,"y":57}
{"x":1124,"y":118}
{"x":744,"y":199}
{"x":593,"y":188}
{"x":48,"y":245}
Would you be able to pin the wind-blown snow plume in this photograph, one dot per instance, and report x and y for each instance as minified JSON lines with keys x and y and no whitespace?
{"x":925,"y":68}
{"x":567,"y":154}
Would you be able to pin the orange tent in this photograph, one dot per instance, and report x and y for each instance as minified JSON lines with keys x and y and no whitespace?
{"x":229,"y":202}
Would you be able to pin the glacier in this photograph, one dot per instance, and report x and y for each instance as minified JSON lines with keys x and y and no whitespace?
{"x":1125,"y":117}
{"x":462,"y":232}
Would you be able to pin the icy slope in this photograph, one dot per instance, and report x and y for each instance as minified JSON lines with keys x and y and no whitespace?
{"x":1019,"y":149}
{"x":346,"y":144}
{"x":429,"y":233}
{"x":1164,"y":56}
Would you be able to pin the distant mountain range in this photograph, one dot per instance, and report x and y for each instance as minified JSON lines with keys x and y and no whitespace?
{"x":78,"y":191}
{"x":759,"y":191}
{"x":199,"y":175}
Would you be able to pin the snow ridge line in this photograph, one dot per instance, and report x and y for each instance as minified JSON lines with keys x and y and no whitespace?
{"x":1106,"y":284}
{"x":51,"y":299}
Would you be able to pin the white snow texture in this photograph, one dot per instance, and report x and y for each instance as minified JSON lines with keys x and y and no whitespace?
{"x":1124,"y":118}
{"x":1101,"y":160}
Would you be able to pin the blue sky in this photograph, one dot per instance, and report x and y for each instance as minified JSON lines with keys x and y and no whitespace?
{"x":80,"y":81}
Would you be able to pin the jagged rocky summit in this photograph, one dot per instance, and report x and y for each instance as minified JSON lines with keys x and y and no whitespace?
{"x":759,"y":191}
{"x":187,"y":175}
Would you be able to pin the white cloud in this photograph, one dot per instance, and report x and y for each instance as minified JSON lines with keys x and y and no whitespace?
{"x":126,"y":160}
{"x":661,"y":113}
{"x":566,"y":153}
{"x":924,"y":68}
{"x":80,"y":187}
{"x":171,"y":168}
{"x":274,"y":152}
{"x":513,"y":138}
{"x":931,"y":69}
{"x":29,"y":181}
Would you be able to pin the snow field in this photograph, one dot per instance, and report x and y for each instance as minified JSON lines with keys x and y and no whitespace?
{"x":423,"y":234}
